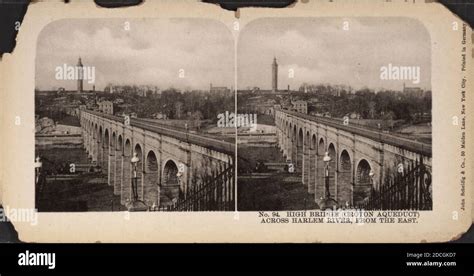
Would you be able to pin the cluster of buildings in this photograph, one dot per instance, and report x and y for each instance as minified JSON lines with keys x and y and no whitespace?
{"x":140,"y":90}
{"x":223,"y":90}
{"x":300,"y":106}
{"x":416,"y":91}
{"x":106,"y":107}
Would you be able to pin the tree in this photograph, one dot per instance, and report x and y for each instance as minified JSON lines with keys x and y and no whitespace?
{"x":197,"y":117}
{"x":178,"y":109}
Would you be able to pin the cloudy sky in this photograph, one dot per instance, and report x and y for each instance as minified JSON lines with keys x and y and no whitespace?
{"x":151,"y":52}
{"x":320,"y":51}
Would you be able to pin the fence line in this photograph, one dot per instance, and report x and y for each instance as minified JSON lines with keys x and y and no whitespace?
{"x":217,"y":194}
{"x":409,"y":191}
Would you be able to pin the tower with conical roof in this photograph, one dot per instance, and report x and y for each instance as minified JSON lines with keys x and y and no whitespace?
{"x":274,"y":75}
{"x":80,"y":74}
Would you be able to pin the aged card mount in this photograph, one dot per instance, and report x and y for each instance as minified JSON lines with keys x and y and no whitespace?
{"x":149,"y":124}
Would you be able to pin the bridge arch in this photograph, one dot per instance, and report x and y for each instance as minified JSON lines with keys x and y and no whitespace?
{"x":306,"y":157}
{"x":319,"y":171}
{"x":113,"y":162}
{"x":139,"y":169}
{"x":294,"y":145}
{"x":299,"y":148}
{"x":127,"y":150}
{"x":105,"y":152}
{"x":363,"y":182}
{"x":100,"y":151}
{"x":310,"y":168}
{"x":286,"y":141}
{"x":332,"y":169}
{"x":347,"y":150}
{"x":96,"y":131}
{"x":109,"y":131}
{"x":321,"y":145}
{"x":119,"y":159}
{"x":113,"y":141}
{"x":127,"y":170}
{"x":331,"y":150}
{"x":170,"y":186}
{"x":106,"y":138}
{"x":119,"y":145}
{"x":151,"y":181}
{"x":344,"y":178}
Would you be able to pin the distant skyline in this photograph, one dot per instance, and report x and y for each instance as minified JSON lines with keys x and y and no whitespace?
{"x":151,"y":52}
{"x":319,"y":51}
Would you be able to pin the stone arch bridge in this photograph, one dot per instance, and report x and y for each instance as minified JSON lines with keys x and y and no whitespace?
{"x":173,"y":165}
{"x":361,"y":158}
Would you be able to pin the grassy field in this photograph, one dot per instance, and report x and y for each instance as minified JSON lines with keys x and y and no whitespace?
{"x":276,"y":190}
{"x":277,"y":193}
{"x":81,"y":193}
{"x":420,"y":132}
{"x":250,"y":156}
{"x":265,"y":119}
{"x":87,"y":193}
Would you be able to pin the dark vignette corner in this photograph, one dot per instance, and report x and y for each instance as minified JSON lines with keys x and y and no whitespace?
{"x":12,"y":12}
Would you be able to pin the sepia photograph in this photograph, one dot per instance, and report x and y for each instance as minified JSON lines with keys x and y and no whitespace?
{"x":152,"y":124}
{"x":127,"y":116}
{"x":341,"y":112}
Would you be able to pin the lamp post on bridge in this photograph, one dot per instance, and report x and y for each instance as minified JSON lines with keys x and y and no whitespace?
{"x":38,"y":180}
{"x":328,"y":202}
{"x":179,"y":176}
{"x":135,"y":204}
{"x":373,"y":189}
{"x":38,"y":165}
{"x":371,"y":175}
{"x":134,"y":162}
